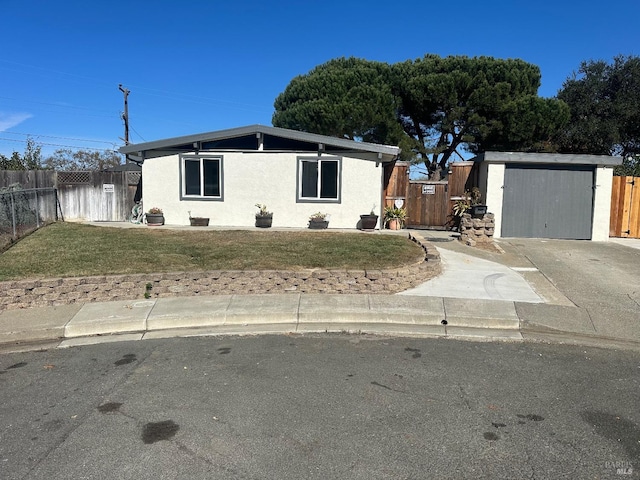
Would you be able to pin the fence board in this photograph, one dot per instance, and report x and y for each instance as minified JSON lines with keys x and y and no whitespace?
{"x":28,"y":178}
{"x":427,"y":209}
{"x":625,"y":207}
{"x":461,"y":178}
{"x":396,"y":180}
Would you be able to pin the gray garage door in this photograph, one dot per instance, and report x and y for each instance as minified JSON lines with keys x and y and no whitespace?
{"x":547,"y":201}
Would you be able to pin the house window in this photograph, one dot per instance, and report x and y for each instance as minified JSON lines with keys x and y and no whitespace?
{"x":202,"y":177}
{"x":319,"y":179}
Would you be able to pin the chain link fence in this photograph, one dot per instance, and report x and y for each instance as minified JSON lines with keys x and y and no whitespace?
{"x":24,"y":210}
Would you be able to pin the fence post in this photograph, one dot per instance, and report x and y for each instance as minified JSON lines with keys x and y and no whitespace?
{"x":13,"y":217}
{"x":37,"y":210}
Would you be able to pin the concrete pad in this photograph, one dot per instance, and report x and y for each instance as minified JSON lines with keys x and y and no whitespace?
{"x":330,"y":309}
{"x":80,"y":341}
{"x":554,"y":317}
{"x":462,"y":312}
{"x":545,"y":289}
{"x":627,"y":242}
{"x":406,"y":309}
{"x":34,"y":324}
{"x":188,"y":312}
{"x":489,"y":334}
{"x":110,"y":317}
{"x":262,"y":309}
{"x":464,"y":276}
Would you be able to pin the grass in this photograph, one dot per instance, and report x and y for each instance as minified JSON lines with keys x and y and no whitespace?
{"x":69,"y":249}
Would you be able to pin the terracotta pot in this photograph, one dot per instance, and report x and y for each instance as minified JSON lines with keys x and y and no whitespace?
{"x":393,"y":224}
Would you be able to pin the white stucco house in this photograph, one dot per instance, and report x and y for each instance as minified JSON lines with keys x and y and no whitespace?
{"x":223,"y":174}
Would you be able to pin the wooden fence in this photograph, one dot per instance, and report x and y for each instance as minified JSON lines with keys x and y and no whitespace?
{"x":87,"y":196}
{"x":625,"y":207}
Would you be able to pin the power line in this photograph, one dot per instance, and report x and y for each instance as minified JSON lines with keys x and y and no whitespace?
{"x":64,"y":146}
{"x":37,"y":135}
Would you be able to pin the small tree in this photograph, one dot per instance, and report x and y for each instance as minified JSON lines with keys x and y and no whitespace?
{"x":31,"y":159}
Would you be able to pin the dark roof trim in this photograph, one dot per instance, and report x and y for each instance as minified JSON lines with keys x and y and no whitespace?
{"x":552,"y":158}
{"x":168,"y":143}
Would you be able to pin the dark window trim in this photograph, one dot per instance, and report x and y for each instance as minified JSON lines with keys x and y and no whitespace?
{"x":199,"y":198}
{"x":316,"y":158}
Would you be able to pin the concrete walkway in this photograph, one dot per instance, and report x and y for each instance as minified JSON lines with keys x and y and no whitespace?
{"x":465,"y":276}
{"x":523,"y":293}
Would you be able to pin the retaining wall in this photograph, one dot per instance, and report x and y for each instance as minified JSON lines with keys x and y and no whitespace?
{"x":62,"y":291}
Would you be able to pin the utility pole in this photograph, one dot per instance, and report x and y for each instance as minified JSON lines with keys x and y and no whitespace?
{"x":125,"y":117}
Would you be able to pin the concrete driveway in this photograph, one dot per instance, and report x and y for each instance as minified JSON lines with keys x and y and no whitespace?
{"x":601,"y":278}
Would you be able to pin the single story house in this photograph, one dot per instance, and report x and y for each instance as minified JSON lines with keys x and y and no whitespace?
{"x":543,"y":195}
{"x":223,"y":174}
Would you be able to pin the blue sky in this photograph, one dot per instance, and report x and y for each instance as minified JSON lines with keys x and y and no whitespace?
{"x":199,"y":66}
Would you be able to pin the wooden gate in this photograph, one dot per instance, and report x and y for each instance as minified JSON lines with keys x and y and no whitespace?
{"x":429,"y":203}
{"x":625,"y":207}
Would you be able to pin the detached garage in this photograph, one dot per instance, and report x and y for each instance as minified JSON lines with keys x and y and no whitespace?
{"x":541,"y":195}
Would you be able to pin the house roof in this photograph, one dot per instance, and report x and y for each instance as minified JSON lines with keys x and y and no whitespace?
{"x":259,"y":137}
{"x":549,"y":158}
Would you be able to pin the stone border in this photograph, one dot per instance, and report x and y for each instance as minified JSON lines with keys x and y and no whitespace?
{"x":65,"y":291}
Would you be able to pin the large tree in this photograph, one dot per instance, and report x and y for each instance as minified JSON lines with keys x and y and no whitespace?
{"x":82,"y":160}
{"x":434,"y":108}
{"x":456,"y":104}
{"x":605,"y":108}
{"x":345,"y":97}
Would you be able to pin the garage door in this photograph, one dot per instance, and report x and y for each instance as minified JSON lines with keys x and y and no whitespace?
{"x":547,"y":201}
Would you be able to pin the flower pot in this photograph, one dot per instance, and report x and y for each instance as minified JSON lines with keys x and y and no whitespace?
{"x":368,"y":222}
{"x":393,"y":224}
{"x":154,"y":219}
{"x":477,"y":211}
{"x":264,"y":221}
{"x":318,"y":224}
{"x":199,"y":221}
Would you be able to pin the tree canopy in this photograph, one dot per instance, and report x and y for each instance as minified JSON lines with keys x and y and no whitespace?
{"x":605,"y":109}
{"x":345,"y":97}
{"x":82,"y":160}
{"x":433,"y":108}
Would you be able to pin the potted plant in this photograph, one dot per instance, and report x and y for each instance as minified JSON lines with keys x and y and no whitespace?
{"x":394,"y":217}
{"x":198,"y":221}
{"x":369,"y":221}
{"x":319,"y":221}
{"x":476,"y":208}
{"x":154,"y":217}
{"x":264,"y":218}
{"x":469,"y":203}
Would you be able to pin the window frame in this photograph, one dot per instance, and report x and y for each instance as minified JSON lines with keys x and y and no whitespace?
{"x":201,"y":158}
{"x":319,"y":160}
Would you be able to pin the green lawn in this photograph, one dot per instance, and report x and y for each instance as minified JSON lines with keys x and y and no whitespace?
{"x":70,"y":249}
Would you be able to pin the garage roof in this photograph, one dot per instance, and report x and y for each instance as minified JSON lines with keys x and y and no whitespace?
{"x":552,"y":158}
{"x":258,"y":137}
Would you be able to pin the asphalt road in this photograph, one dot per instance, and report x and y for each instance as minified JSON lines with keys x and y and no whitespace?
{"x":343,"y":407}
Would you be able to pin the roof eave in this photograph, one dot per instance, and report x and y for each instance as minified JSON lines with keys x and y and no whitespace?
{"x":265,"y":130}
